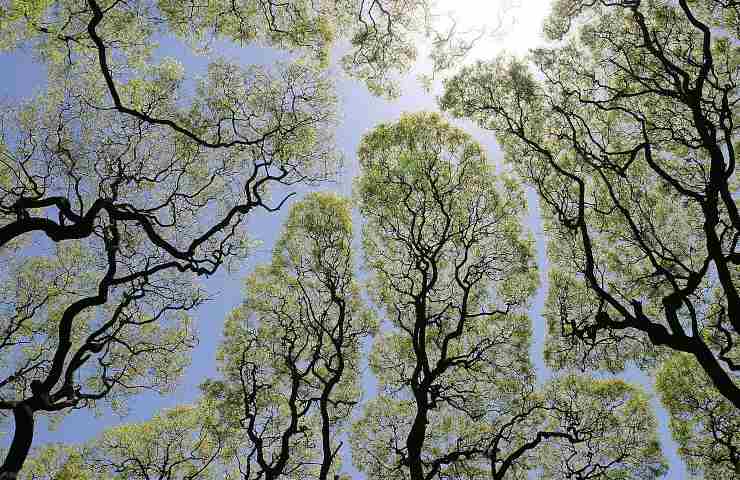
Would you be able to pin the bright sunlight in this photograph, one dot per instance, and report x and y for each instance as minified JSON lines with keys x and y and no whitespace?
{"x":510,"y":25}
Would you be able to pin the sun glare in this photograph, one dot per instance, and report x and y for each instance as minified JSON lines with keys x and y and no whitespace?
{"x":506,"y":25}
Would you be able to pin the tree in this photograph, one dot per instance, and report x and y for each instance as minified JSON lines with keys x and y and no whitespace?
{"x":56,"y":462}
{"x":626,"y":128}
{"x":453,"y":274}
{"x":704,"y":423}
{"x":597,"y":429}
{"x":182,"y":443}
{"x":150,"y":184}
{"x":140,"y":342}
{"x":291,"y":353}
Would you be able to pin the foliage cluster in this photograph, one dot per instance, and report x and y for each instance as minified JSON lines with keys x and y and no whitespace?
{"x":128,"y":180}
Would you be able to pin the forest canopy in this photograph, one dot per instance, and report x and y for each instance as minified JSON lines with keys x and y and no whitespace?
{"x":388,"y":333}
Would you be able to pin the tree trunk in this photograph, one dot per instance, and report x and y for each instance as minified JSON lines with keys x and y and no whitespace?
{"x":415,"y":442}
{"x":22,"y":440}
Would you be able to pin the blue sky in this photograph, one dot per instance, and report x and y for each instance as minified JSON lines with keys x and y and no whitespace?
{"x":359,"y":113}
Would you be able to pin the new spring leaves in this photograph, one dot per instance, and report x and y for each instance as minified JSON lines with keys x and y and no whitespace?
{"x":452,"y":272}
{"x":128,"y":179}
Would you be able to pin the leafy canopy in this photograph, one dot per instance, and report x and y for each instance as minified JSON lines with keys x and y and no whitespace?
{"x":625,"y":126}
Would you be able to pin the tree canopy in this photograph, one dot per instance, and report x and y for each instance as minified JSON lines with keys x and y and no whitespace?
{"x":625,"y":126}
{"x":129,"y":180}
{"x":290,"y":358}
{"x":453,"y":273}
{"x":142,"y":177}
